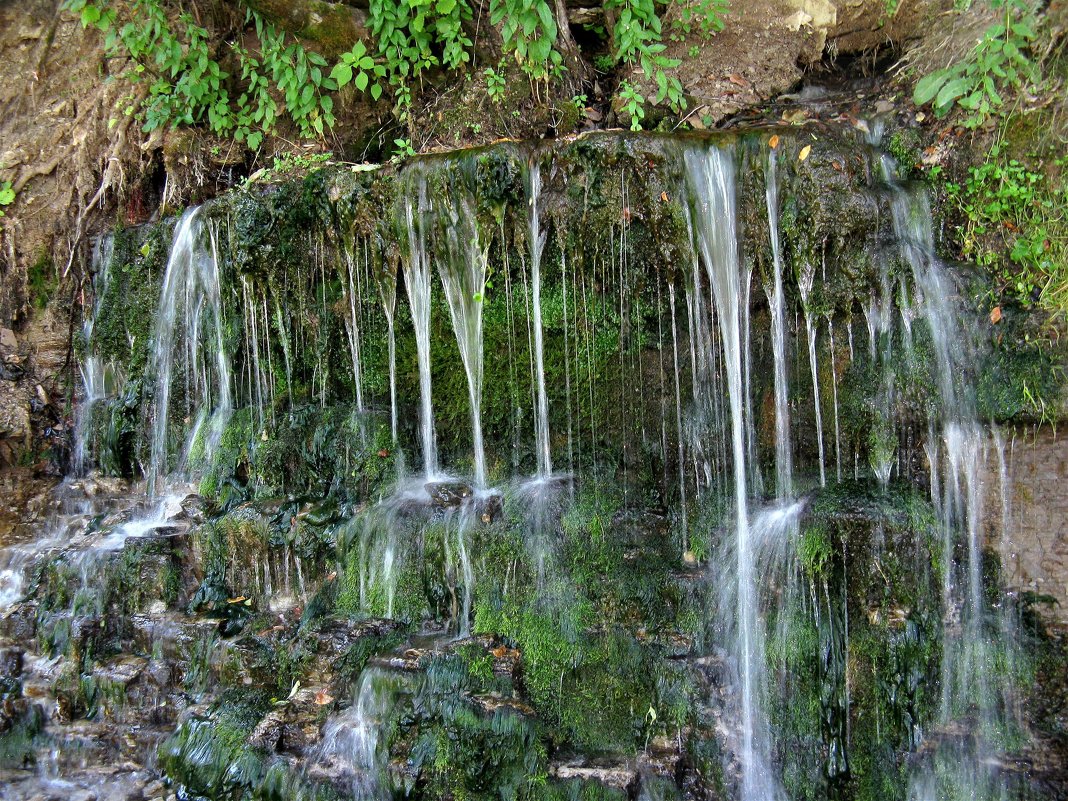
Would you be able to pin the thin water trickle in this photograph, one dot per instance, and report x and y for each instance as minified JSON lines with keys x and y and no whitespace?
{"x":387,"y":291}
{"x":98,"y":379}
{"x":806,"y":275}
{"x":776,"y":300}
{"x":537,"y":246}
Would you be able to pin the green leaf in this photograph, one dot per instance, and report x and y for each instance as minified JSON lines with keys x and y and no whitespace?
{"x":376,"y":91}
{"x":539,"y":49}
{"x":1023,"y":29}
{"x":950,"y":92}
{"x":361,"y":81}
{"x":90,"y":16}
{"x":342,"y":73}
{"x":928,"y":87}
{"x":547,"y":20}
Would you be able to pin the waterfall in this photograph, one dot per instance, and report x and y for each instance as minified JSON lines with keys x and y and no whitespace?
{"x":783,"y":453}
{"x":417,"y":281}
{"x":190,"y":322}
{"x":462,"y":265}
{"x":710,"y":175}
{"x":971,"y":643}
{"x":537,"y":246}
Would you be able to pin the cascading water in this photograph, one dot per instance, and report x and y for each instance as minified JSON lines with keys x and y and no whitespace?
{"x":97,"y":377}
{"x":353,"y":739}
{"x":463,"y":265}
{"x":537,"y":247}
{"x":961,"y":767}
{"x":190,"y":321}
{"x":710,"y":176}
{"x":387,"y":292}
{"x":417,"y":281}
{"x":805,"y":277}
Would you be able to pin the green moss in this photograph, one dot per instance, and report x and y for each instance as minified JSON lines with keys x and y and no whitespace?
{"x":462,"y":751}
{"x":41,"y":280}
{"x":209,"y":756}
{"x":19,"y":743}
{"x":815,"y":550}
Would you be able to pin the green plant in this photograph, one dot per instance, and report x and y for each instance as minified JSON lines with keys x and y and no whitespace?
{"x":186,"y":85}
{"x":637,"y":39}
{"x":494,"y":85}
{"x":999,"y":59}
{"x":705,"y":16}
{"x":529,"y":32}
{"x":7,"y":195}
{"x":1009,"y":208}
{"x":632,"y":104}
{"x":357,"y":67}
{"x":415,"y":35}
{"x":403,"y":150}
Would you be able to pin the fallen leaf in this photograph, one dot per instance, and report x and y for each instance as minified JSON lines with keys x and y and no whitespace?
{"x":322,"y":698}
{"x":837,"y":165}
{"x":995,"y":315}
{"x":804,"y":152}
{"x":795,"y":117}
{"x":239,"y":599}
{"x":500,"y":652}
{"x":774,"y":141}
{"x":664,"y":197}
{"x":738,"y":80}
{"x":383,"y":453}
{"x":332,"y":575}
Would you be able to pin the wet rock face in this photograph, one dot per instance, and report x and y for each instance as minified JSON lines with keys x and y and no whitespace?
{"x":1034,"y":554}
{"x":448,"y":494}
